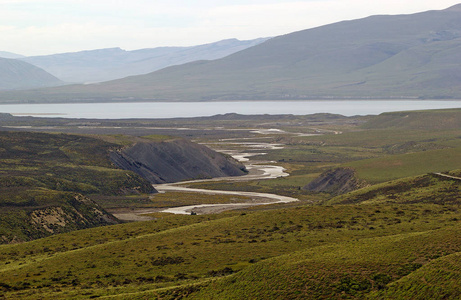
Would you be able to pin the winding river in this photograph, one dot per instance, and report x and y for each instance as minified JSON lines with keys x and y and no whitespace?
{"x":257,"y":171}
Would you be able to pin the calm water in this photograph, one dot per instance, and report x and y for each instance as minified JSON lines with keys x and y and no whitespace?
{"x":197,"y":109}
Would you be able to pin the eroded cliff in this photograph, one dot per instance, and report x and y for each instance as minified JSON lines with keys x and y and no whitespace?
{"x":336,"y":181}
{"x":175,"y":160}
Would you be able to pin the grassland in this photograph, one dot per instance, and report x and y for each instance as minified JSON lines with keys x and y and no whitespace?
{"x":397,"y":238}
{"x":184,"y":250}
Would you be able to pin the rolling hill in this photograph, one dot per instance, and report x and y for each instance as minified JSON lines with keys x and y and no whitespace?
{"x":113,"y":63}
{"x":15,"y":74}
{"x":383,"y":56}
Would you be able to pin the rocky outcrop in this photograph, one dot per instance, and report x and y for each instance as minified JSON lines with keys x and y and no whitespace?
{"x":336,"y":181}
{"x":175,"y":160}
{"x":65,"y":212}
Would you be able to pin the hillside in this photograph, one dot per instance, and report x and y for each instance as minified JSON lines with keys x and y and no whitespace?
{"x":39,"y":212}
{"x":396,"y":239}
{"x":337,"y":181}
{"x":412,"y":56}
{"x":15,"y":74}
{"x":46,"y":181}
{"x":108,"y":64}
{"x":417,"y":120}
{"x":49,"y":182}
{"x":307,"y":252}
{"x":429,"y":188}
{"x":175,"y":160}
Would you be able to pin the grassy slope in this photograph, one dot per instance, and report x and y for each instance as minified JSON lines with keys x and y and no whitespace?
{"x":167,"y":252}
{"x":406,"y":165}
{"x":376,"y":155}
{"x":426,"y":188}
{"x":439,"y":279}
{"x":62,"y":162}
{"x":45,"y":173}
{"x":417,"y":120}
{"x":344,"y":270}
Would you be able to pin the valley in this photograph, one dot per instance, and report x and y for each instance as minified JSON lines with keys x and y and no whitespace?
{"x":363,"y":212}
{"x":322,"y":163}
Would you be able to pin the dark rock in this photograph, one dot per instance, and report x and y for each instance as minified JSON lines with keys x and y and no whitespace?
{"x":175,"y":160}
{"x":337,"y":181}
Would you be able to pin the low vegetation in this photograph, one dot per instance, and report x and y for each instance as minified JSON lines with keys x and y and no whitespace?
{"x":52,"y":175}
{"x":308,"y":245}
{"x":397,"y":236}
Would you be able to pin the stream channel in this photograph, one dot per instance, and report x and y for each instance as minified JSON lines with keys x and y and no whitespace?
{"x":257,"y":171}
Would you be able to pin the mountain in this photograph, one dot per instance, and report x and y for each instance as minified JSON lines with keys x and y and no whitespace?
{"x":5,"y":54}
{"x":108,"y":64}
{"x":384,"y":56}
{"x":15,"y":74}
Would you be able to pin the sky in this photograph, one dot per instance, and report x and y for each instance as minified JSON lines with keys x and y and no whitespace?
{"x":40,"y":27}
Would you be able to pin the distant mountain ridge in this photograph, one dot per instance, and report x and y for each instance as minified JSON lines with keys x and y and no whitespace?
{"x":5,"y":54}
{"x":413,"y":56}
{"x":114,"y":63}
{"x":15,"y":74}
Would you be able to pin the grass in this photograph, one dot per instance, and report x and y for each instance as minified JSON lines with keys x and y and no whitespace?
{"x":406,"y":165}
{"x":45,"y":173}
{"x":185,"y":249}
{"x":172,"y":199}
{"x":393,"y":240}
{"x":433,"y":119}
{"x":350,"y":270}
{"x":426,"y":188}
{"x":439,"y":279}
{"x":63,"y":162}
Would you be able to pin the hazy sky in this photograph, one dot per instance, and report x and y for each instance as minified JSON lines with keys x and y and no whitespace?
{"x":36,"y":27}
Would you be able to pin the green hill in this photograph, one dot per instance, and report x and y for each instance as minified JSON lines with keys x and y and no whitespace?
{"x":348,"y":270}
{"x":304,"y":252}
{"x":417,"y":120}
{"x":430,"y":188}
{"x":436,"y":280}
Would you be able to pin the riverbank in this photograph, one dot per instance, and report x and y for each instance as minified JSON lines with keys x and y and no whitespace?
{"x":258,"y":170}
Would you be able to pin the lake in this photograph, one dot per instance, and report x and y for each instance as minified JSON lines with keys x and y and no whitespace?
{"x":198,"y":109}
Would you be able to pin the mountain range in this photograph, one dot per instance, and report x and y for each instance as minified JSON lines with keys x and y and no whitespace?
{"x":16,"y":74}
{"x":5,"y":54}
{"x":384,"y":56}
{"x":114,"y":63}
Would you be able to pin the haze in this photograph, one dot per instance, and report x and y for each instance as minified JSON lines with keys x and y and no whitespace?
{"x":49,"y":26}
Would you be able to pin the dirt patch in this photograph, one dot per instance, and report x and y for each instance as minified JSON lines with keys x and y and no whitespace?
{"x":49,"y":217}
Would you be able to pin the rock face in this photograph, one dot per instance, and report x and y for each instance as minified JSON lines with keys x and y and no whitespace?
{"x":64,"y":212}
{"x":337,"y":181}
{"x":175,"y":160}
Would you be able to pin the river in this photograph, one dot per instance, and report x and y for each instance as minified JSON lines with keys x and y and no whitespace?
{"x":257,"y":171}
